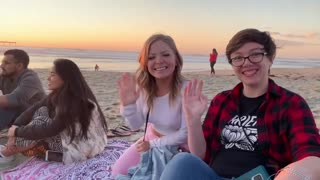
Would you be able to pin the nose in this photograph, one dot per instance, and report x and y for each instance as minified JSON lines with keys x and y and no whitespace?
{"x":159,"y":59}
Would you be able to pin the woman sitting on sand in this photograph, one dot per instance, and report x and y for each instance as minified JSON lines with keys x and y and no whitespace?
{"x":68,"y":121}
{"x":256,"y":124}
{"x":157,"y":101}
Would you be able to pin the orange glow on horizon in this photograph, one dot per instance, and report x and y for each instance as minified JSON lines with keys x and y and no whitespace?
{"x":133,"y":41}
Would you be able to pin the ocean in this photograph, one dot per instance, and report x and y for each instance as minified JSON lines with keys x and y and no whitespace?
{"x":125,"y":61}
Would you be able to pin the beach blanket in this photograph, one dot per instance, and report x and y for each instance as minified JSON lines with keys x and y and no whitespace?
{"x":98,"y":167}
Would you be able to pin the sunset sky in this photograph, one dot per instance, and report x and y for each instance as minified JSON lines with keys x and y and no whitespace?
{"x":196,"y":25}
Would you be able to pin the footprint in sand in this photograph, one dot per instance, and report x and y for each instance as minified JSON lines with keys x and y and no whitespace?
{"x":299,"y":77}
{"x":116,"y":103}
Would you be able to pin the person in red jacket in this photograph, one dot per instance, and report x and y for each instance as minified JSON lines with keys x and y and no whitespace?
{"x":213,"y":59}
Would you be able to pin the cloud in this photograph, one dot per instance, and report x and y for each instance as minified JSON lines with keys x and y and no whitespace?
{"x":266,"y":27}
{"x":312,"y":35}
{"x":284,"y":42}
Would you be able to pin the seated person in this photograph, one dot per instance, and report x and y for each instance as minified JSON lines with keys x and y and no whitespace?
{"x":20,"y":86}
{"x":158,"y":104}
{"x":256,"y":123}
{"x":69,"y":120}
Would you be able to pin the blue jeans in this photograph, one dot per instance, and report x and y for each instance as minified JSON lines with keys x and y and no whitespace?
{"x":6,"y":117}
{"x":186,"y":166}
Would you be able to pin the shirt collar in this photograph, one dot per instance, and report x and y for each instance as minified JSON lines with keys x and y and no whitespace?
{"x":273,"y":90}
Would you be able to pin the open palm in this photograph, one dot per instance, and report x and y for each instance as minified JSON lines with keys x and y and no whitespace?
{"x":127,"y":89}
{"x":194,"y":102}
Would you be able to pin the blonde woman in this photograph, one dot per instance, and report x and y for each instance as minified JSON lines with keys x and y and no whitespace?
{"x":157,"y":101}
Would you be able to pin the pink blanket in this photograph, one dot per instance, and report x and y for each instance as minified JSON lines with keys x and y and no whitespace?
{"x":98,"y":167}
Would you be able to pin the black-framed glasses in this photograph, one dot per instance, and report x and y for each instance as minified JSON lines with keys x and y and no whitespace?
{"x":253,"y":58}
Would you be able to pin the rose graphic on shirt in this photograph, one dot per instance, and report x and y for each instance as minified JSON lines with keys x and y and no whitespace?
{"x":235,"y":136}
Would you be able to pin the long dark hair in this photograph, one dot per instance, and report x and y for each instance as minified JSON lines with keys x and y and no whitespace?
{"x":71,"y":104}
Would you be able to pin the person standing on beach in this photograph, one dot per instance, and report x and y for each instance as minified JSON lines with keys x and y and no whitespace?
{"x":158,"y":102}
{"x":96,"y":67}
{"x":68,"y":121}
{"x":20,"y":86}
{"x":257,"y":123}
{"x":213,"y":60}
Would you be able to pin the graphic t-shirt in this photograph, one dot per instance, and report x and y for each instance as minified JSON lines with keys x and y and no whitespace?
{"x":239,"y":138}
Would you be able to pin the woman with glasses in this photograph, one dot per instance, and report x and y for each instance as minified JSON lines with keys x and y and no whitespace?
{"x":256,"y":124}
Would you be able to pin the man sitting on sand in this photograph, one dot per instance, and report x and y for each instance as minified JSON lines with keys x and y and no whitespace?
{"x":20,"y":87}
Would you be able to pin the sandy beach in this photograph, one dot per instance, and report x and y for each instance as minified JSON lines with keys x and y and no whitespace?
{"x":305,"y":82}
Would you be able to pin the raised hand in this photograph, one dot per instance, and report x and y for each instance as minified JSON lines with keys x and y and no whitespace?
{"x":194,"y":102}
{"x":127,"y":89}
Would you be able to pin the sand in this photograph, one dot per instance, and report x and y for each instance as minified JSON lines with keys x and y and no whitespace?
{"x":305,"y":82}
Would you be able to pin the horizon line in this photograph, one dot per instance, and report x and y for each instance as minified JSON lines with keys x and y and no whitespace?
{"x":134,"y":51}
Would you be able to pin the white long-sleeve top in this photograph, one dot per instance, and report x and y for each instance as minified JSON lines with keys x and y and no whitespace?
{"x":167,"y":119}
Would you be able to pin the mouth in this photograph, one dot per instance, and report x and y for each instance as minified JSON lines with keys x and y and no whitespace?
{"x":250,"y":72}
{"x":161,"y":68}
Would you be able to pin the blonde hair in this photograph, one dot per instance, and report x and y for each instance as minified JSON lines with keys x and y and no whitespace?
{"x":147,"y":82}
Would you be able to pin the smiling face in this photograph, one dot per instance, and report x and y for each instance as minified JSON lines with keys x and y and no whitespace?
{"x":252,"y":74}
{"x":54,"y":80}
{"x":161,"y":60}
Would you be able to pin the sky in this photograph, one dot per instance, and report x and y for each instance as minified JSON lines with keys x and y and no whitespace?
{"x":197,"y":26}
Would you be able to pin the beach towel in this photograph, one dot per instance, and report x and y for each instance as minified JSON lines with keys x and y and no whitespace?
{"x":98,"y":167}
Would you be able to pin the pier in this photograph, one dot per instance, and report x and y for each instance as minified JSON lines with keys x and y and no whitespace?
{"x":7,"y":43}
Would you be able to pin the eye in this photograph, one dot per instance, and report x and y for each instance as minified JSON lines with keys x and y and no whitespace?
{"x":151,"y":57}
{"x":255,"y":55}
{"x":52,"y":74}
{"x":238,"y":58}
{"x":166,"y":55}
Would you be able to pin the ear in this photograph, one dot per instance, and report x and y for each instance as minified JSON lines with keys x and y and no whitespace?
{"x":272,"y":59}
{"x":20,"y":66}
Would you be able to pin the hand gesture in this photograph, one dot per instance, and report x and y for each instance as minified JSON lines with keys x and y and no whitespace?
{"x":12,"y":130}
{"x":127,"y":89}
{"x":194,"y":102}
{"x":11,"y":138}
{"x":11,"y":144}
{"x":142,"y":146}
